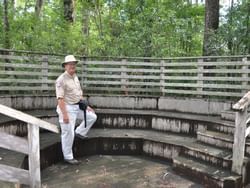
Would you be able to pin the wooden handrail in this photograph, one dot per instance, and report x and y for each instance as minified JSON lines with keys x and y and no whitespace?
{"x":240,"y":133}
{"x":243,"y":103}
{"x":31,"y":147}
{"x":27,"y":118}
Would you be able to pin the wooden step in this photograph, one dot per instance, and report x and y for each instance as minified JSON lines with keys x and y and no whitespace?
{"x":219,"y":139}
{"x":228,"y":115}
{"x":212,"y":155}
{"x":209,"y":176}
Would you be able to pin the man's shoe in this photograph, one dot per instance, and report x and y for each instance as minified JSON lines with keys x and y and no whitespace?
{"x":72,"y":161}
{"x":81,"y":137}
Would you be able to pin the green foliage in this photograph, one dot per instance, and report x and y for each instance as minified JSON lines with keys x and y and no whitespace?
{"x":124,"y":28}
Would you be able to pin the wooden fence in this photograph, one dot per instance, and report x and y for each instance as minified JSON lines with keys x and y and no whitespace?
{"x":31,"y":147}
{"x":208,"y":77}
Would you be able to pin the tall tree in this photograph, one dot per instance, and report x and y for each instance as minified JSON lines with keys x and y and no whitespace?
{"x":69,"y":10}
{"x":211,"y":25}
{"x":38,"y":7}
{"x":6,"y":25}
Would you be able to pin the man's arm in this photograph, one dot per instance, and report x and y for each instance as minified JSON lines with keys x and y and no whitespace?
{"x":62,"y":107}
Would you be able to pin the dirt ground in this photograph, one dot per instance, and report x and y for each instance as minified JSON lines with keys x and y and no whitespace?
{"x":114,"y":172}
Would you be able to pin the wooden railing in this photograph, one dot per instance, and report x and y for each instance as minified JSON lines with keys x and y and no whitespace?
{"x":241,"y":132}
{"x":208,"y":77}
{"x":29,"y":146}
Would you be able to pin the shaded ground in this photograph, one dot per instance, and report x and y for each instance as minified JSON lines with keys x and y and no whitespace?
{"x":114,"y":172}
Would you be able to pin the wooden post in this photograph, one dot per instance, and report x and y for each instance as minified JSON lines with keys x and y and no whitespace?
{"x":83,"y":72}
{"x":244,"y":75}
{"x":162,"y":76}
{"x":200,"y":76}
{"x":239,"y":141}
{"x":34,"y":156}
{"x":45,"y":73}
{"x":124,"y":77}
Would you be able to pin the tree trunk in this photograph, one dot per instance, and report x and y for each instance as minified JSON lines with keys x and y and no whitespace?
{"x":230,"y":21}
{"x":211,"y":25}
{"x":247,"y":49}
{"x":38,"y":7}
{"x":85,"y":29}
{"x":69,"y":10}
{"x":6,"y":26}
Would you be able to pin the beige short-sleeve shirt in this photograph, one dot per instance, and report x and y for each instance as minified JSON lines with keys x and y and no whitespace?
{"x":68,"y":87}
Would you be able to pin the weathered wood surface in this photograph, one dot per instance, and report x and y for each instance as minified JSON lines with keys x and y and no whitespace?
{"x":239,"y":141}
{"x":168,"y":75}
{"x":34,"y":156}
{"x":27,"y":118}
{"x":12,"y":174}
{"x":13,"y":143}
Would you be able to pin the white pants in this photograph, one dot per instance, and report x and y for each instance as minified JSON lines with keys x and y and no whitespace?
{"x":68,"y":129}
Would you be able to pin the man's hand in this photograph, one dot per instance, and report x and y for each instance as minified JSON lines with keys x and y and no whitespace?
{"x":90,"y":109}
{"x":65,"y":118}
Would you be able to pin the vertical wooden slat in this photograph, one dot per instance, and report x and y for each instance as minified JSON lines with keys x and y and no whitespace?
{"x":45,"y":73}
{"x":162,"y":88}
{"x":200,"y":75}
{"x":34,"y":156}
{"x":123,"y":77}
{"x":244,"y":75}
{"x":83,"y":72}
{"x":239,"y":141}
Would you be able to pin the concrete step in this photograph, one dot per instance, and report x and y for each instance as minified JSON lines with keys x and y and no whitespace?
{"x":156,"y":144}
{"x":10,"y":158}
{"x":219,"y":139}
{"x":226,"y":127}
{"x":207,"y":175}
{"x":228,"y":115}
{"x":212,"y":155}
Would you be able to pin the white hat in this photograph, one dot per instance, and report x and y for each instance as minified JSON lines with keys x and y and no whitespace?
{"x":68,"y":59}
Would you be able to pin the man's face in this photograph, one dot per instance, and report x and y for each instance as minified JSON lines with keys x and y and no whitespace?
{"x":70,"y":67}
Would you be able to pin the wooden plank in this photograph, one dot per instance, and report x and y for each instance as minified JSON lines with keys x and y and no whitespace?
{"x":15,"y":175}
{"x":245,"y":67}
{"x":208,"y":93}
{"x":21,"y":65}
{"x":119,"y":63}
{"x":27,"y":118}
{"x":240,"y":71}
{"x":30,"y":73}
{"x":189,"y":85}
{"x":21,"y":73}
{"x":119,"y":89}
{"x":20,"y":58}
{"x":106,"y":76}
{"x":119,"y":83}
{"x":243,"y":103}
{"x":247,"y":131}
{"x":14,"y":143}
{"x":45,"y":72}
{"x":34,"y":156}
{"x":206,"y":71}
{"x":206,"y":78}
{"x":239,"y":141}
{"x":181,"y":71}
{"x":231,"y":79}
{"x":28,"y":81}
{"x":206,"y":63}
{"x":119,"y":70}
{"x":25,"y":88}
{"x":223,"y":63}
{"x":215,"y":86}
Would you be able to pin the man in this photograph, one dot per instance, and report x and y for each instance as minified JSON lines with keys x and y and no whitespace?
{"x":69,"y":93}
